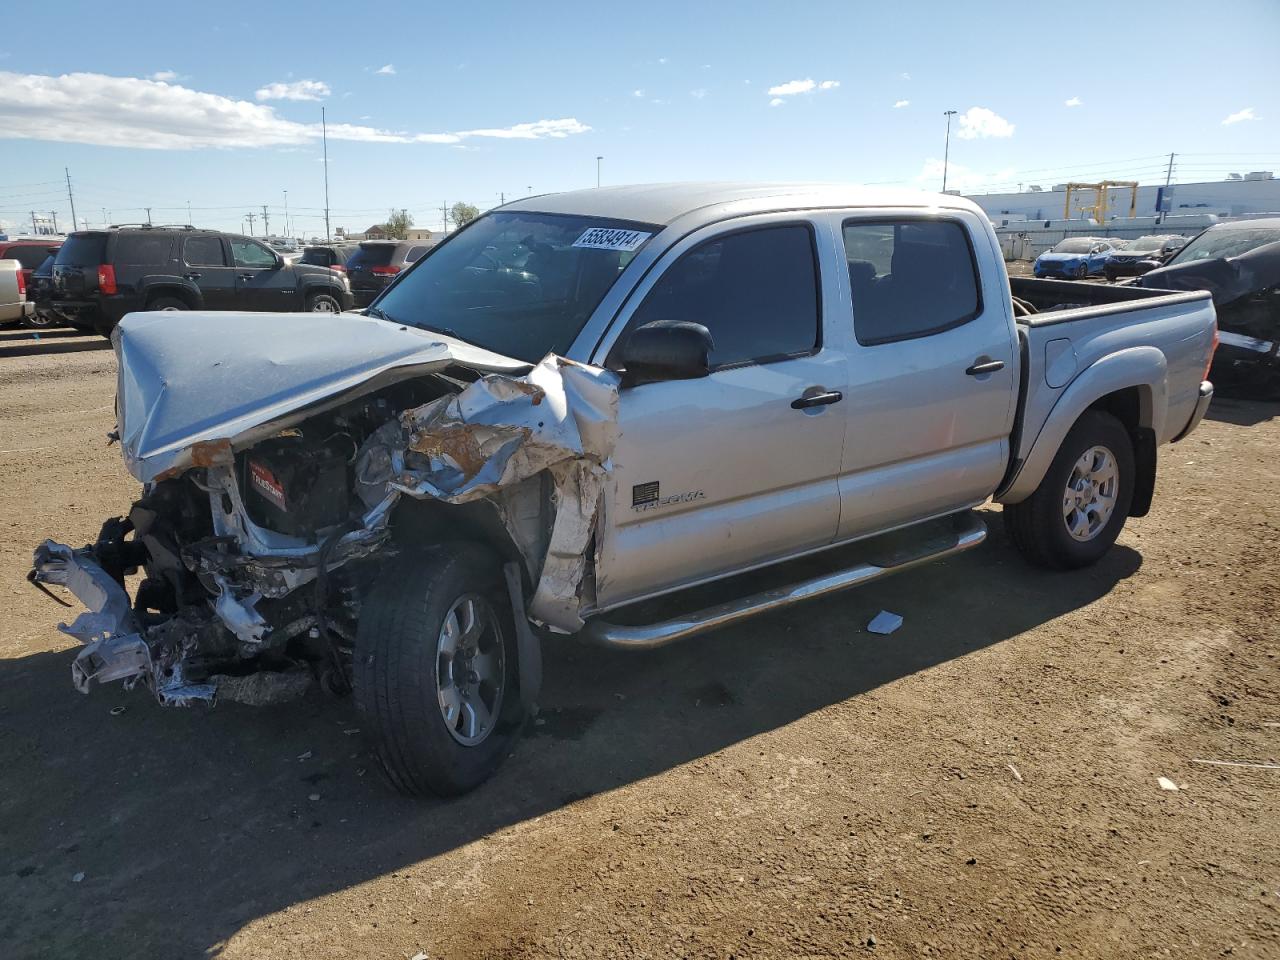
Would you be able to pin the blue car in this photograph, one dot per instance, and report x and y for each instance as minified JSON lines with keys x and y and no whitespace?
{"x":1075,"y":258}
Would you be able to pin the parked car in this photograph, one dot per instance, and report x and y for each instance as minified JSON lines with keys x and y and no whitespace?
{"x":40,"y":293}
{"x":1239,"y":264}
{"x":588,"y":400}
{"x":331,"y":255}
{"x":14,"y":305}
{"x":101,"y":275}
{"x":1074,"y":257}
{"x":375,"y":263}
{"x":1140,"y":255}
{"x":28,"y":252}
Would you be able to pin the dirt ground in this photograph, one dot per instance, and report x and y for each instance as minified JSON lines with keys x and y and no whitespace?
{"x":982,"y":783}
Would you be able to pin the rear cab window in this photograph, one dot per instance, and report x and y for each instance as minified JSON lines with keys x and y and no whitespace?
{"x":29,"y":255}
{"x":910,"y":278}
{"x":82,"y":250}
{"x":755,"y":290}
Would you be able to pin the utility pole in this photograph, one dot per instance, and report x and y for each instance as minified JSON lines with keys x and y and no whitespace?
{"x":287,"y":232}
{"x":190,"y":220}
{"x":324,"y":135}
{"x":1164,"y":196}
{"x":598,"y":159}
{"x":266,"y":223}
{"x":148,"y":209}
{"x":34,"y":231}
{"x":53,"y":214}
{"x":106,"y":222}
{"x":251,"y":217}
{"x":946,"y":151}
{"x":444,"y":215}
{"x":71,"y":198}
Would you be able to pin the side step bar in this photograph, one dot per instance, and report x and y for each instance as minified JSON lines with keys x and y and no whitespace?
{"x":970,"y":531}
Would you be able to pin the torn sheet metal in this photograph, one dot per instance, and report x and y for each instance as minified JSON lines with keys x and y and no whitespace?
{"x":193,"y":383}
{"x":499,"y":431}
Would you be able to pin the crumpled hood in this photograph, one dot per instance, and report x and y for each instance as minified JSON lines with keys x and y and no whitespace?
{"x":212,"y":380}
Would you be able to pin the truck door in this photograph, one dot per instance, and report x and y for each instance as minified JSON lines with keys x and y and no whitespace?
{"x":933,"y":377}
{"x":204,"y":263}
{"x":716,"y":474}
{"x":263,"y":282}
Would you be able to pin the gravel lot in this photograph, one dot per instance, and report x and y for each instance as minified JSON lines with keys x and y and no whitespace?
{"x":981,"y":783}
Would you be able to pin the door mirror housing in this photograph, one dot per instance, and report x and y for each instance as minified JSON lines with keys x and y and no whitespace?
{"x":667,"y":350}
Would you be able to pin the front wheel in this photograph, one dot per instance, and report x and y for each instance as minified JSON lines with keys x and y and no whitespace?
{"x":435,"y":670}
{"x":1082,"y":271}
{"x":323,"y":303}
{"x":1078,"y":510}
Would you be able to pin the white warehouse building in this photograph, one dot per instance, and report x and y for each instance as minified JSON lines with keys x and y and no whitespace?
{"x":1256,"y":193}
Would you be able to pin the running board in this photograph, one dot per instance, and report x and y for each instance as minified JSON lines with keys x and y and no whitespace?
{"x":969,"y":532}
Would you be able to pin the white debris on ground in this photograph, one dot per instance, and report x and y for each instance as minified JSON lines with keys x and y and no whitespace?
{"x":884,"y":622}
{"x":1166,"y":784}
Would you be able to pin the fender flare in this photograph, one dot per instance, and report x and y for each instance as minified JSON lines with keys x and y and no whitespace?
{"x":312,"y":285}
{"x":1142,"y":367}
{"x":149,"y":287}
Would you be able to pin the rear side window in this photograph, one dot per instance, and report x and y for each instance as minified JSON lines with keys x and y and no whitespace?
{"x":909,"y":278}
{"x":319,"y":257}
{"x":82,"y":250}
{"x":372,"y":255}
{"x":756,"y":291}
{"x":203,"y":252}
{"x":414,"y":254}
{"x":143,"y":249}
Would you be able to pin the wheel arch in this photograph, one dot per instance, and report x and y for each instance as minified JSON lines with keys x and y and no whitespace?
{"x":418,"y":523}
{"x":1130,"y":384}
{"x":187,"y":293}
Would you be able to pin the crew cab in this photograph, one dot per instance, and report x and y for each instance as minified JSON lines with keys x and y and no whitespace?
{"x":582,"y":402}
{"x":101,"y":275}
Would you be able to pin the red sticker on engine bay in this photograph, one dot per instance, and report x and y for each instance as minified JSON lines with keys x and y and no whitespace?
{"x":265,"y":483}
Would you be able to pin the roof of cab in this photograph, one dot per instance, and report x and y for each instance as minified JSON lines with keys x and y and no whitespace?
{"x":663,"y":203}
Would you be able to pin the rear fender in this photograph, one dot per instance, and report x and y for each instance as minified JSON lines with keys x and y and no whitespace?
{"x":1143,"y":368}
{"x":178,"y":287}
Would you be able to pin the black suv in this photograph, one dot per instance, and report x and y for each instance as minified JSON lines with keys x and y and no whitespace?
{"x":100,"y":275}
{"x":375,"y":263}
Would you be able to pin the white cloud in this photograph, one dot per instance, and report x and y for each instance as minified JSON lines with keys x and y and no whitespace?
{"x":898,"y":104}
{"x":959,"y":177}
{"x":1245,"y":114}
{"x":698,"y":94}
{"x":776,"y":102}
{"x":146,"y":114}
{"x":387,"y":69}
{"x":795,"y":87}
{"x":791,"y":88}
{"x":1074,"y":102}
{"x":906,"y":76}
{"x":637,"y":93}
{"x":298,"y":90}
{"x":979,"y":122}
{"x":164,"y":76}
{"x":662,"y":59}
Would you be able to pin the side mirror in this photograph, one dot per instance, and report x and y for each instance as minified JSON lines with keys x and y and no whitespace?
{"x":667,"y":350}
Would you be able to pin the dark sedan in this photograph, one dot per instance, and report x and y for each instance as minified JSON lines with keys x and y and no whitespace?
{"x":1141,"y":255}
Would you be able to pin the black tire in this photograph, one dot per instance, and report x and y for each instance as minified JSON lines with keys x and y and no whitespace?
{"x":167,"y":303}
{"x":322,"y":303}
{"x":1037,"y":525}
{"x":397,"y":668}
{"x":1082,"y":271}
{"x":41,"y":321}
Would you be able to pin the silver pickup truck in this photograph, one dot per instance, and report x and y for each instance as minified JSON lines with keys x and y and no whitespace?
{"x":14,"y":305}
{"x":587,"y":400}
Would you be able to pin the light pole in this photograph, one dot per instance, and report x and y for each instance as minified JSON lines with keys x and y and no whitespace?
{"x":598,"y":159}
{"x":946,"y":151}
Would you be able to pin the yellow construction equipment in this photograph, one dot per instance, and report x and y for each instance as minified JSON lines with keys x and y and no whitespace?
{"x":1099,"y":206}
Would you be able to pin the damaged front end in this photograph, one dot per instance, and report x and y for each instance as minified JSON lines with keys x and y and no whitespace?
{"x":275,"y":495}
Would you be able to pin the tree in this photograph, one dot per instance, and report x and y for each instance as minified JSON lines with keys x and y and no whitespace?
{"x":398,"y":224}
{"x":463,"y":213}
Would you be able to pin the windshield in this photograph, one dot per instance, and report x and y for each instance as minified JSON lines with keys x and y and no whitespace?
{"x":1145,"y":243}
{"x":1074,"y":246}
{"x":519,"y":284}
{"x":1226,"y":243}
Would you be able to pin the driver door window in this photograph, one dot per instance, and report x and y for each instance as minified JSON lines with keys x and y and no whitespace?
{"x":250,"y":253}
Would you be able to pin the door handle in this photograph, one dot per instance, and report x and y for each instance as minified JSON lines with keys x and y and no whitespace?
{"x":819,"y":399}
{"x":193,"y":276}
{"x":981,"y":366}
{"x":245,"y":276}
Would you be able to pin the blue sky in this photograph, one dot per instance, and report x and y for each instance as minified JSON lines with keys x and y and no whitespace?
{"x":158,"y":104}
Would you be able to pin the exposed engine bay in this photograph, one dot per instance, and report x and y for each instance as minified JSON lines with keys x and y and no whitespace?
{"x":240,"y":572}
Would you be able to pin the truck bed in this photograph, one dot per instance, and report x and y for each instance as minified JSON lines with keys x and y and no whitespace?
{"x":1076,"y":324}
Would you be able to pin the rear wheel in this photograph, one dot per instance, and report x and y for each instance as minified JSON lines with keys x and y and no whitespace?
{"x":41,"y":321}
{"x":323,"y":303}
{"x":435,"y":670}
{"x":1078,"y":510}
{"x":167,"y":303}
